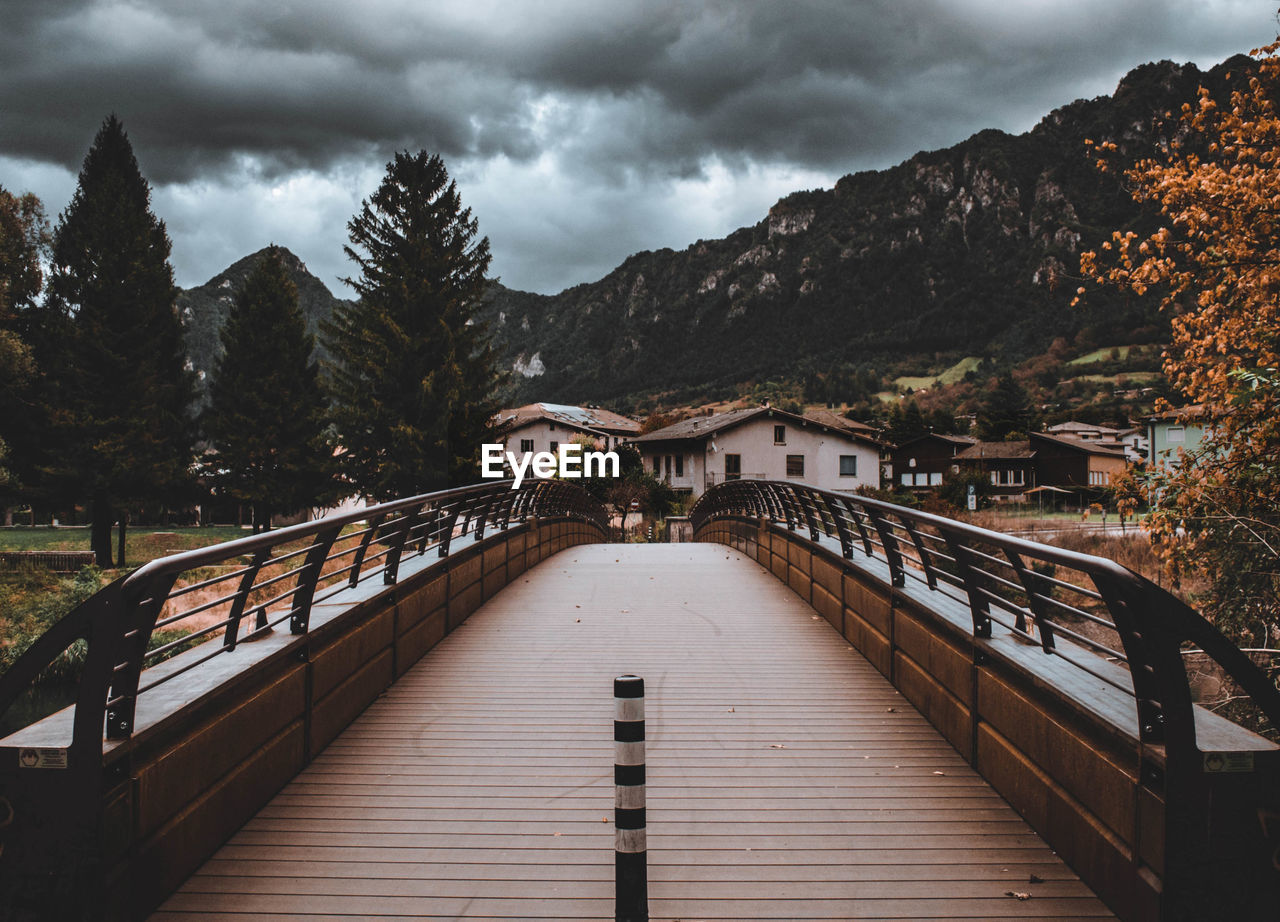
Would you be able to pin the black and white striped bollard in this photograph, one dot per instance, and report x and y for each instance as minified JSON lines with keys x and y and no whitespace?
{"x":630,"y":862}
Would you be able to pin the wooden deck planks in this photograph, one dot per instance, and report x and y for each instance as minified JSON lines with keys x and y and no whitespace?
{"x":787,"y":779}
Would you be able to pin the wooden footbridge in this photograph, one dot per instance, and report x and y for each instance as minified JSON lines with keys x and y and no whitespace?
{"x":854,"y":712}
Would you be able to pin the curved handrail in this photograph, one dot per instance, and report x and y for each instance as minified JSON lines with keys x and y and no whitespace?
{"x":1001,"y":576}
{"x":261,"y":581}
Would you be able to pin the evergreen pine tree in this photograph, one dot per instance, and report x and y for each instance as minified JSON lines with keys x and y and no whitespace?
{"x":1006,"y":411}
{"x":120,"y":391}
{"x":905,"y":424}
{"x":24,"y":238}
{"x":265,"y":421}
{"x":413,"y":371}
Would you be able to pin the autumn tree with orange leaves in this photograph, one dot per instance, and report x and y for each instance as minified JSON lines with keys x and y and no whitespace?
{"x":1214,"y":263}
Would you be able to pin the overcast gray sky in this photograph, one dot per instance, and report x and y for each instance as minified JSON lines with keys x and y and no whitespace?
{"x":579,"y":131}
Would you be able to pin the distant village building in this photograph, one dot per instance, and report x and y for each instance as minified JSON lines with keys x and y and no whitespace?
{"x":840,"y":421}
{"x":1043,"y":459}
{"x":1085,"y":431}
{"x":922,"y":463}
{"x":1011,"y":466}
{"x":761,"y":443}
{"x":1136,"y":445}
{"x":1063,"y":461}
{"x":1172,"y":433}
{"x":1133,"y":441}
{"x":546,"y":426}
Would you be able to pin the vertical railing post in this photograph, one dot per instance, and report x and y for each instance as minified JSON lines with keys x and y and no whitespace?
{"x":309,"y":578}
{"x":808,"y":506}
{"x":446,"y":521}
{"x":631,"y":902}
{"x":786,"y":498}
{"x":970,"y":574}
{"x":399,"y":537}
{"x":507,"y":504}
{"x":1034,"y":584}
{"x":488,"y":503}
{"x":138,"y":613}
{"x":889,"y":544}
{"x":770,"y":502}
{"x":857,"y":515}
{"x":842,"y":527}
{"x":923,"y":554}
{"x":232,"y":634}
{"x":357,"y":561}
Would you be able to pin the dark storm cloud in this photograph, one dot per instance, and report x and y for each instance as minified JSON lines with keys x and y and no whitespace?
{"x":305,"y":85}
{"x":610,"y":104}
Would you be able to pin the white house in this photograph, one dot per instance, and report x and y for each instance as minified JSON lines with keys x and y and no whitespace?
{"x":761,"y":443}
{"x":1133,"y":440}
{"x":545,"y":426}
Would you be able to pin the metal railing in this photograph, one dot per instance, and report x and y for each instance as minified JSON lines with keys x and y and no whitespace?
{"x":1102,"y":618}
{"x":714,"y":478}
{"x":213,"y":599}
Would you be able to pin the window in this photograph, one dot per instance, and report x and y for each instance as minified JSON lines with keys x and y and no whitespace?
{"x":779,"y":435}
{"x":733,"y":467}
{"x":1177,"y":434}
{"x":526,"y":446}
{"x":551,"y":426}
{"x":908,"y":479}
{"x":679,"y":465}
{"x":1099,"y":478}
{"x":795,"y":465}
{"x":848,"y":465}
{"x":657,"y":466}
{"x":911,"y":463}
{"x":668,"y":467}
{"x":555,"y":446}
{"x":1014,"y":478}
{"x":935,"y":479}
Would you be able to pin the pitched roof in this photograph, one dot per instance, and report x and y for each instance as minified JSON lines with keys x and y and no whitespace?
{"x":591,"y":418}
{"x":1179,"y":414}
{"x":997,"y":451}
{"x":702,"y":427}
{"x":960,"y":441}
{"x":1071,"y":426}
{"x":839,"y":421}
{"x":1091,"y":446}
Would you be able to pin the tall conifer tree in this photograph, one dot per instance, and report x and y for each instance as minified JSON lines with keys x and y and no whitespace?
{"x":1006,"y":411}
{"x":120,"y":392}
{"x":265,"y":422}
{"x":24,"y":239}
{"x":413,"y":372}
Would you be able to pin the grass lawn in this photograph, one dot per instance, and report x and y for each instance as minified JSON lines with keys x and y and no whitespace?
{"x":141,"y":544}
{"x":1101,"y":355}
{"x":953,"y":374}
{"x":1133,"y":377}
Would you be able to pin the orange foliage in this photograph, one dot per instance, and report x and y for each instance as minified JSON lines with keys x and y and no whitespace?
{"x":1215,"y":265}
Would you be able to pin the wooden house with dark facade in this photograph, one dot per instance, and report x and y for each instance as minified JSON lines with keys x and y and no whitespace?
{"x":1042,"y":459}
{"x":1010,"y":465}
{"x":921,"y":464}
{"x":1062,"y":461}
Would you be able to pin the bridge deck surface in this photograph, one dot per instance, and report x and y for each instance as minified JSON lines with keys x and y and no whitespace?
{"x":787,"y":778}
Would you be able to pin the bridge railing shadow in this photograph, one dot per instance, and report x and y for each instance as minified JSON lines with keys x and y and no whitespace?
{"x":1090,"y":642}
